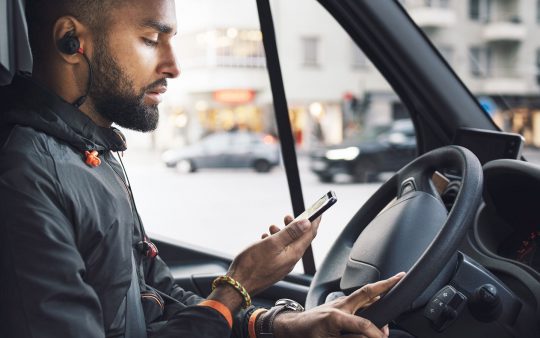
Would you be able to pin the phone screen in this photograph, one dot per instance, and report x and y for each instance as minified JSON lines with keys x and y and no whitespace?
{"x":317,"y":208}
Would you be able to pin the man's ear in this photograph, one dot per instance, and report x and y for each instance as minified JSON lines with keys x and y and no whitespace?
{"x":70,"y":39}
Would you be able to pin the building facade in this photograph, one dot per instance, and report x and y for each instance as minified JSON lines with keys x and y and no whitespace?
{"x":332,"y":88}
{"x":493,"y":46}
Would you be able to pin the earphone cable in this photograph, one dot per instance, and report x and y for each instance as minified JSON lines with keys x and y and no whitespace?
{"x":81,"y":99}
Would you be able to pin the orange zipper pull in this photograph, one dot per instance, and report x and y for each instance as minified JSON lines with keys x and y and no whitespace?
{"x":92,"y":158}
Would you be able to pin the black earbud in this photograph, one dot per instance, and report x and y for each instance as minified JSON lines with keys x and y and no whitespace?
{"x":69,"y":44}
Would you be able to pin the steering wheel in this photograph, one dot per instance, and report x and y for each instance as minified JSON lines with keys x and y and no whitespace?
{"x":404,"y":226}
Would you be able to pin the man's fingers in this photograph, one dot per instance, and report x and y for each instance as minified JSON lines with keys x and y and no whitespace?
{"x":300,"y":245}
{"x":264,"y":236}
{"x":352,"y":324}
{"x":386,"y":330}
{"x":365,"y":294}
{"x":316,"y":223}
{"x":274,"y":229}
{"x":287,"y":219}
{"x":292,"y":232}
{"x":373,"y":300}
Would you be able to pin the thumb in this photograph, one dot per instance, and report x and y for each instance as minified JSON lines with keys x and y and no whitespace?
{"x":292,"y":232}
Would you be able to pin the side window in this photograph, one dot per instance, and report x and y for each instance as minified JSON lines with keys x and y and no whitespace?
{"x":224,"y":199}
{"x":217,"y":142}
{"x":211,"y":175}
{"x":351,"y":129}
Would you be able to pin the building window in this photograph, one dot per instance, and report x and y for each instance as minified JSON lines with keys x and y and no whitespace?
{"x":474,"y":9}
{"x":538,"y":63}
{"x":437,"y":3}
{"x":479,"y":10}
{"x":538,"y":11}
{"x":223,"y":47}
{"x":310,"y":46}
{"x":480,"y":61}
{"x":359,"y":59}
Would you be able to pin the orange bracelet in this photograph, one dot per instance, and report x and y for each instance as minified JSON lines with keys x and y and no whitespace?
{"x":219,"y":307}
{"x":253,"y":321}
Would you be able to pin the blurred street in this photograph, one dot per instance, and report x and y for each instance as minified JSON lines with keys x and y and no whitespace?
{"x":226,"y":210}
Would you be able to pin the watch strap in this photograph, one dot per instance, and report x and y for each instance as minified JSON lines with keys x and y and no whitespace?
{"x":267,"y":321}
{"x":265,"y":326}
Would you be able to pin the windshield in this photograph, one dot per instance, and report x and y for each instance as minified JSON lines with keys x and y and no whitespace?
{"x":493,"y":46}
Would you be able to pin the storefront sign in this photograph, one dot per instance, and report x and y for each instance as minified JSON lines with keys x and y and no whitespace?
{"x":234,"y":96}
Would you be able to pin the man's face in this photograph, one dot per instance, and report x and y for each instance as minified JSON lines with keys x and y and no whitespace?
{"x":132,"y":60}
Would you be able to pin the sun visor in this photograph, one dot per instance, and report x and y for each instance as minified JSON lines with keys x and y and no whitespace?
{"x":15,"y":54}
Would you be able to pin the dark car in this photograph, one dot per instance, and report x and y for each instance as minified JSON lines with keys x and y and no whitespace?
{"x":380,"y":149}
{"x":238,"y":149}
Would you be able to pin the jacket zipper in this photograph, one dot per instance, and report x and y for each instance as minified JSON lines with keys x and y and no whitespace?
{"x":134,"y":212}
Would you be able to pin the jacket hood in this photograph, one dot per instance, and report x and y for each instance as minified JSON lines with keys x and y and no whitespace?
{"x":26,"y":103}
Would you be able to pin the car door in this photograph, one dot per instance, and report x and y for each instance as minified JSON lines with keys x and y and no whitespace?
{"x":241,"y":152}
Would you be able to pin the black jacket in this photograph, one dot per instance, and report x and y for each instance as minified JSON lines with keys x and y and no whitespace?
{"x":69,"y":231}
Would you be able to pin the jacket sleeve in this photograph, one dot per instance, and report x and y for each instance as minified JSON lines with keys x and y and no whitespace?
{"x":187,"y":319}
{"x":43,"y":293}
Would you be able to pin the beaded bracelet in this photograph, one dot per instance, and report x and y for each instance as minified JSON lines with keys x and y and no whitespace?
{"x":237,"y":286}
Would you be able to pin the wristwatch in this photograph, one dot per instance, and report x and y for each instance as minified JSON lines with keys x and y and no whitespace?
{"x":265,"y":327}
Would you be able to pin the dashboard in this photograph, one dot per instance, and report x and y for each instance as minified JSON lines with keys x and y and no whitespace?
{"x":505,"y":237}
{"x":523,"y":246}
{"x":508,"y":225}
{"x":504,"y":243}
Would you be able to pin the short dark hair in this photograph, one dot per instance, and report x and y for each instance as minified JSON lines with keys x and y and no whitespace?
{"x":42,"y":14}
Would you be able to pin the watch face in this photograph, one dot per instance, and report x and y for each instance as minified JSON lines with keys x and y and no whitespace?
{"x":290,"y":304}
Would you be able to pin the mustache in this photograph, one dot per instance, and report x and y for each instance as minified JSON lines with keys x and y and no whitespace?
{"x":155,"y":84}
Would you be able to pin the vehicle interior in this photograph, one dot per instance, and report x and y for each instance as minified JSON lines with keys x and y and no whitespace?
{"x":461,"y":222}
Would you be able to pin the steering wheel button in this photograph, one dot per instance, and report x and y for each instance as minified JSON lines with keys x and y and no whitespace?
{"x":434,"y":309}
{"x":407,"y":186}
{"x":446,"y":294}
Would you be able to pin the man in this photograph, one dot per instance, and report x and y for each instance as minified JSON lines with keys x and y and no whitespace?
{"x":75,"y":260}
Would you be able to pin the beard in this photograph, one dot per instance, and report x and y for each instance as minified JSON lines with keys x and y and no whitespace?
{"x":114,"y":96}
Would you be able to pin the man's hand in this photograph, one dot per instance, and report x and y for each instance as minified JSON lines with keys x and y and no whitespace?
{"x":337,"y":317}
{"x":269,"y":260}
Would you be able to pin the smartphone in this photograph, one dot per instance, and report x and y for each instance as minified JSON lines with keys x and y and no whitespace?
{"x":318,"y":207}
